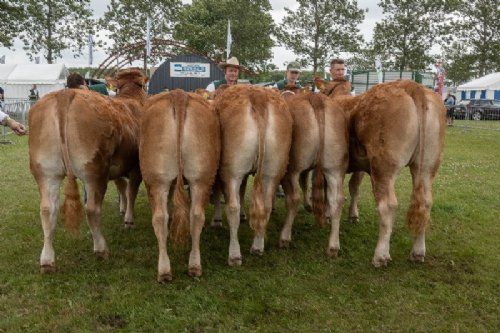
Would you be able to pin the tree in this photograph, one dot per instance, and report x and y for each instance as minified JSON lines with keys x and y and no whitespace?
{"x":409,"y":29}
{"x":321,"y":29}
{"x":459,"y":63}
{"x":479,"y":24}
{"x":203,"y":26}
{"x":12,"y":16}
{"x":55,"y":25}
{"x":126,"y":22}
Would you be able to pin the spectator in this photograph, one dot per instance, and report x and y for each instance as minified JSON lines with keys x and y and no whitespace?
{"x":292,"y":76}
{"x":231,"y":70}
{"x":75,"y":81}
{"x":34,"y":95}
{"x":16,"y":127}
{"x":449,"y":102}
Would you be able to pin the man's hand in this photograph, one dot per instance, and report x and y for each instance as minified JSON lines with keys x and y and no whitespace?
{"x":16,"y":127}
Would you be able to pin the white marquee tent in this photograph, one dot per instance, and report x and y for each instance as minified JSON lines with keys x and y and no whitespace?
{"x":17,"y":80}
{"x":486,"y":87}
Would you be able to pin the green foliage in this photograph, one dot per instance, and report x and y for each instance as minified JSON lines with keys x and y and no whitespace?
{"x":293,"y":290}
{"x":320,"y":29}
{"x":408,"y":31}
{"x":10,"y":21}
{"x":53,"y":26}
{"x":459,"y":63}
{"x":126,"y":22}
{"x":203,"y":26}
{"x":479,"y":35}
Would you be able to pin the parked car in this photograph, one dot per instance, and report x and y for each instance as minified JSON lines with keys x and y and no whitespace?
{"x":478,"y":109}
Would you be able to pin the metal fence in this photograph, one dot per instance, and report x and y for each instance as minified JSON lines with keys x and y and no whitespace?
{"x":17,"y":109}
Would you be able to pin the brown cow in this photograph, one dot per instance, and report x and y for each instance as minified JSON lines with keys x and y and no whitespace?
{"x":394,"y":125}
{"x":320,"y":141}
{"x":82,"y":134}
{"x":179,"y":138}
{"x":333,"y":89}
{"x":256,"y":132}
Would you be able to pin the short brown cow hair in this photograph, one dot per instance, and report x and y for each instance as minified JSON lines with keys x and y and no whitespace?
{"x":75,"y":80}
{"x":336,"y":61}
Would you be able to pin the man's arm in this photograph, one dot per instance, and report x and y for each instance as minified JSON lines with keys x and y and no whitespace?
{"x":14,"y":125}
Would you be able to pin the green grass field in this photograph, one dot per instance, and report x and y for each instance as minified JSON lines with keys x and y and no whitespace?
{"x":457,"y":289}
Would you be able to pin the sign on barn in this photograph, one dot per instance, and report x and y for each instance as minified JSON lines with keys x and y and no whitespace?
{"x":186,"y":72}
{"x":189,"y":69}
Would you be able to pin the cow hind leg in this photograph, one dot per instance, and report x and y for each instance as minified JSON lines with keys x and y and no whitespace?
{"x":354,"y":184}
{"x":304,"y":185}
{"x":121,"y":187}
{"x":158,"y":198}
{"x":49,"y":205}
{"x":292,"y":198}
{"x":269,"y":189}
{"x":132,"y":188}
{"x":335,"y":198}
{"x":199,"y":193}
{"x":216,"y":196}
{"x":233,"y":217}
{"x":243,"y":188}
{"x":96,"y":191}
{"x":418,"y":216}
{"x":385,"y":197}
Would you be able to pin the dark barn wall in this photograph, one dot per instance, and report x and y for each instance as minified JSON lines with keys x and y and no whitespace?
{"x":161,"y":79}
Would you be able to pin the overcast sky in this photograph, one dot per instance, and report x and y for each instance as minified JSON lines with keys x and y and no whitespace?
{"x":281,"y":55}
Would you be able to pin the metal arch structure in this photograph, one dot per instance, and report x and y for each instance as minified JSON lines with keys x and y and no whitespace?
{"x":135,"y":51}
{"x":132,"y":52}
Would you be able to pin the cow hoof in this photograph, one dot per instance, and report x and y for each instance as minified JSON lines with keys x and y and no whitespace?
{"x":332,"y":252}
{"x":284,"y":243}
{"x":162,"y":278}
{"x":415,"y":257}
{"x":257,"y":252}
{"x":102,"y":255}
{"x":216,"y":223}
{"x":128,"y":225}
{"x":235,"y":262}
{"x":47,"y":269}
{"x":354,"y":219}
{"x":381,"y":262}
{"x":194,"y":271}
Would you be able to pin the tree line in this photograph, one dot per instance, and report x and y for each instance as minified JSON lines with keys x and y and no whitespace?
{"x":466,"y":32}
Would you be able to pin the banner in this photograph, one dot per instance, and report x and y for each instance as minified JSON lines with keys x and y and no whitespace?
{"x":189,"y":69}
{"x":229,"y":40}
{"x":90,"y":43}
{"x":148,"y":36}
{"x":378,"y":68}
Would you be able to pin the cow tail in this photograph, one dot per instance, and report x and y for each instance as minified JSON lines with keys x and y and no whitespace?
{"x":318,"y":191}
{"x":180,"y":218}
{"x":72,"y":208}
{"x":258,"y":214}
{"x":418,"y":216}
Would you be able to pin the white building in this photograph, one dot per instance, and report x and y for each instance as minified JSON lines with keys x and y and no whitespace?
{"x":17,"y":80}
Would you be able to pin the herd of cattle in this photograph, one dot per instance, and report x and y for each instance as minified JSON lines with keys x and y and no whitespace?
{"x":176,"y":137}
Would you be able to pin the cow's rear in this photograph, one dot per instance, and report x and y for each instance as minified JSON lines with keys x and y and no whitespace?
{"x":256,"y":129}
{"x":179,"y":140}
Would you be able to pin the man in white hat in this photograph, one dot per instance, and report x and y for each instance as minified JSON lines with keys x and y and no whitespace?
{"x":292,"y":76}
{"x":231,"y":70}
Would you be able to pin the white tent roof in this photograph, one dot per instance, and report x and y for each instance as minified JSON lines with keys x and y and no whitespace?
{"x":37,"y":73}
{"x":488,"y":82}
{"x":5,"y":70}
